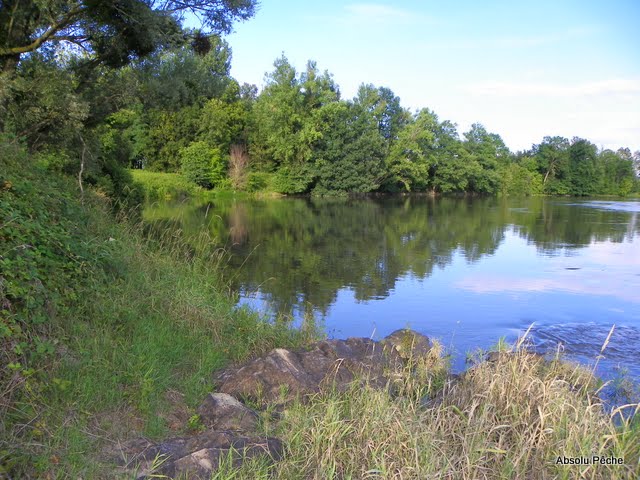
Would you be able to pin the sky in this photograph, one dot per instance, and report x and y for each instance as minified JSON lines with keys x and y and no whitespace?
{"x":524,"y":69}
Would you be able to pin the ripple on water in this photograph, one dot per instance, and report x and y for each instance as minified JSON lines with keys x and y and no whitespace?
{"x":612,"y":205}
{"x":585,"y":341}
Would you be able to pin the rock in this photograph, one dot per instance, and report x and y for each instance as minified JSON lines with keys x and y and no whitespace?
{"x":407,"y":343}
{"x":221,"y":411}
{"x":282,"y":374}
{"x":194,"y":457}
{"x":276,"y":378}
{"x":202,"y":463}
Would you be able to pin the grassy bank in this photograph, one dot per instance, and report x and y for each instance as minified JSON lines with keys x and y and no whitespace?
{"x":106,"y":334}
{"x":159,"y":186}
{"x":165,"y":186}
{"x":508,"y":419}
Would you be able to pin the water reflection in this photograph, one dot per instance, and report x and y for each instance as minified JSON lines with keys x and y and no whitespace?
{"x":306,"y":250}
{"x":467,"y":270}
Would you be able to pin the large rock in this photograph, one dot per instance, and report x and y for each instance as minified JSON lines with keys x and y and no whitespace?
{"x":194,"y":457}
{"x":283,"y":374}
{"x":275,"y":378}
{"x":220,"y":411}
{"x":409,"y":345}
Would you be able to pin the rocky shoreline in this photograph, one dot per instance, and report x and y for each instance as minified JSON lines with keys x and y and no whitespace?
{"x":230,"y":427}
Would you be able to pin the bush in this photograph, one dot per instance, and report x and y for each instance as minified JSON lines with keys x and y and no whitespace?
{"x":202,"y":164}
{"x":257,"y":181}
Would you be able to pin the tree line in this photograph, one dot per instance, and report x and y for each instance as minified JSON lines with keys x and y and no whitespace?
{"x":103,"y":96}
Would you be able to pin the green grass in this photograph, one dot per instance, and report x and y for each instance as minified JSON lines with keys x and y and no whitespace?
{"x":106,"y":334}
{"x":165,"y":186}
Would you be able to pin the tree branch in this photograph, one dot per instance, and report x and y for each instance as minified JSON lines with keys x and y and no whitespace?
{"x":48,"y":34}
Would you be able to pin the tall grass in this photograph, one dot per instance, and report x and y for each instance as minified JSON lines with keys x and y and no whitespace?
{"x":507,"y":419}
{"x":138,"y":327}
{"x":165,"y":186}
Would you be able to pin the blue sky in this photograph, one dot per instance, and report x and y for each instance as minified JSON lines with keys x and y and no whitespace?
{"x":524,"y":69}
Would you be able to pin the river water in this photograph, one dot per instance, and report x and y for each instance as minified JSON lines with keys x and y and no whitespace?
{"x":467,"y":271}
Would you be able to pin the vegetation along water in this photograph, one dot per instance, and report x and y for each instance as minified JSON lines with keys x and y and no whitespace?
{"x":144,"y":245}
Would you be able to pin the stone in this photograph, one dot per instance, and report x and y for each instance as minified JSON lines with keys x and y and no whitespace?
{"x":276,"y":379}
{"x":193,"y":457}
{"x":220,"y":411}
{"x":282,"y":374}
{"x":408,"y":344}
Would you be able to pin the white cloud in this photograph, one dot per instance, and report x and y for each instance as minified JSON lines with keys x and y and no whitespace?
{"x":614,"y":86}
{"x":380,"y":13}
{"x":602,"y":274}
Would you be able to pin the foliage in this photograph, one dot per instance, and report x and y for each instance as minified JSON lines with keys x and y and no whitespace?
{"x":285,"y":123}
{"x":349,"y":155}
{"x":164,"y":186}
{"x":113,"y":32}
{"x":45,"y":108}
{"x":202,"y":164}
{"x":172,"y":79}
{"x":257,"y":181}
{"x":100,"y":323}
{"x":520,"y":179}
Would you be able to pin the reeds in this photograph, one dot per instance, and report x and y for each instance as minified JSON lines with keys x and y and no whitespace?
{"x":512,"y":418}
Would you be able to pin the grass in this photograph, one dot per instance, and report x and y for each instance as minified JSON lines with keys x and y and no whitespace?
{"x":165,"y":186}
{"x":106,"y":333}
{"x":511,"y":418}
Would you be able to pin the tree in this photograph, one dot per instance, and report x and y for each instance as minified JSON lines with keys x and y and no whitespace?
{"x":286,"y":126}
{"x":552,"y":156}
{"x":223,"y":124}
{"x":410,"y":160}
{"x":110,"y":32}
{"x":202,"y":164}
{"x":45,"y":108}
{"x":349,"y":156}
{"x":487,"y":152}
{"x":385,"y":108}
{"x":618,"y":175}
{"x":583,"y":176}
{"x":175,"y":78}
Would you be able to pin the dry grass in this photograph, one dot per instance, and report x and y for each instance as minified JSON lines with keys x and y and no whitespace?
{"x":511,"y":418}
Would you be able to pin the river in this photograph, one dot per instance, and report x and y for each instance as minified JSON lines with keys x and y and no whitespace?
{"x":467,"y":271}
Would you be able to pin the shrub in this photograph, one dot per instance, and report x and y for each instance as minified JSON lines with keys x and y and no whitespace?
{"x":257,"y":181}
{"x":202,"y":164}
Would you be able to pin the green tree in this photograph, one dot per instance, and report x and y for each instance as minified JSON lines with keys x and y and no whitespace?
{"x":223,"y":123}
{"x":486,"y":154}
{"x":202,"y":164}
{"x":286,"y":126}
{"x":618,"y":172}
{"x":384,"y":106}
{"x":45,"y":107}
{"x":521,"y":179}
{"x":113,"y":32}
{"x":179,"y":77}
{"x":428,"y":155}
{"x":583,"y":176}
{"x":349,"y":156}
{"x":552,"y":156}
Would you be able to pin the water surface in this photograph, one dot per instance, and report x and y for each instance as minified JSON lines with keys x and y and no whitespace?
{"x":466,"y":271}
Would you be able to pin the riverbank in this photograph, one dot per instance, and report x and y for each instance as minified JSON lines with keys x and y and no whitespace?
{"x":106,"y":333}
{"x":359,"y":408}
{"x":160,"y":186}
{"x":109,"y":334}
